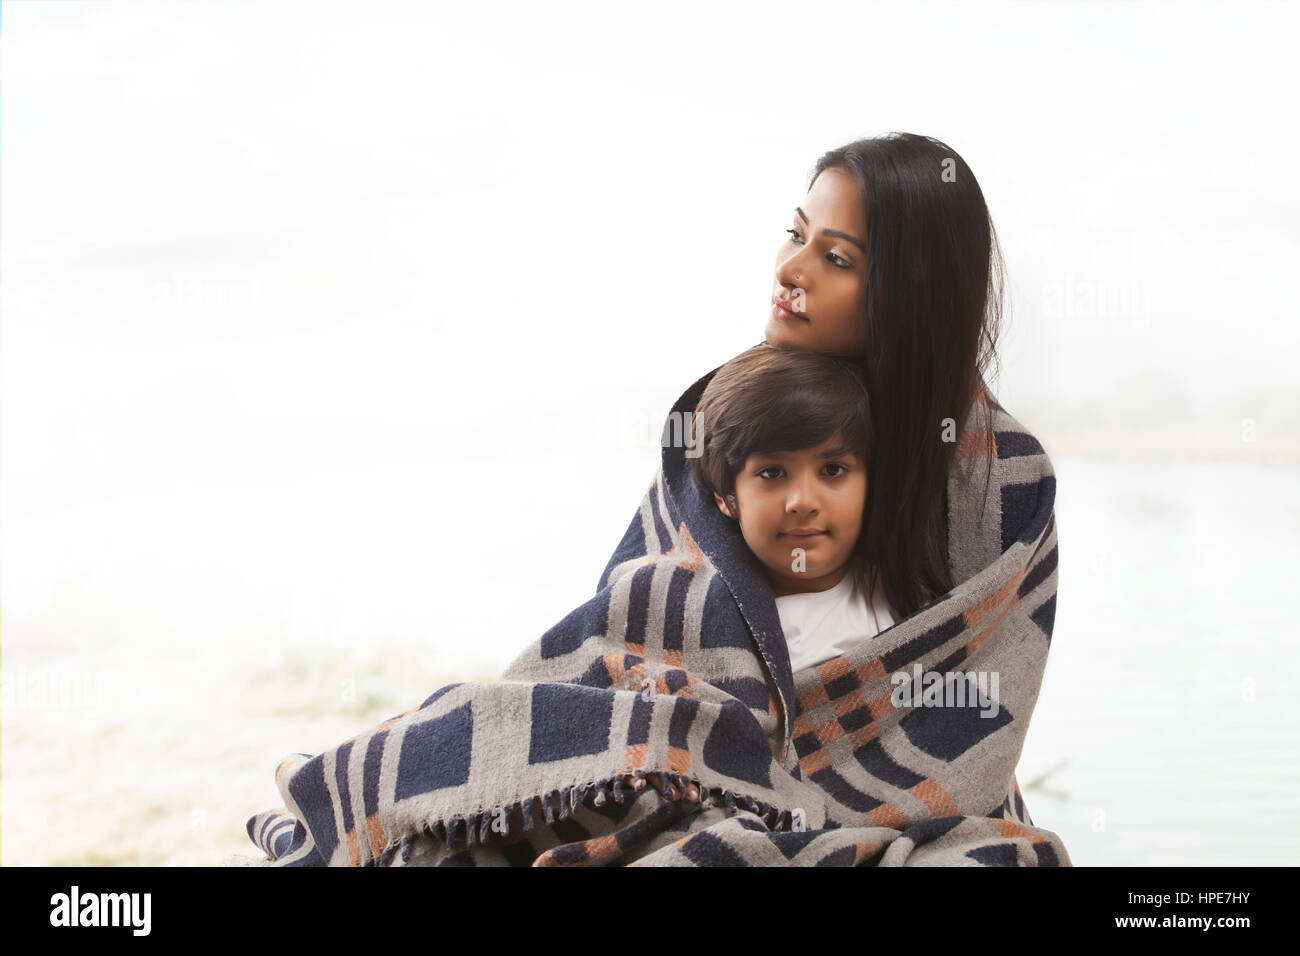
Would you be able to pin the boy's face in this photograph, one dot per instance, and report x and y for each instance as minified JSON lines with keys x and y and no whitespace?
{"x":782,"y":494}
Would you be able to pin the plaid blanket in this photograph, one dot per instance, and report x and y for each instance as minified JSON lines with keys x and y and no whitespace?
{"x":901,"y":752}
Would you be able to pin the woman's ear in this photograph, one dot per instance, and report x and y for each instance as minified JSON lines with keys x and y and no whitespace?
{"x":722,"y":506}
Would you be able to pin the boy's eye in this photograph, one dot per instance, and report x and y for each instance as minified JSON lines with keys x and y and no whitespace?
{"x":772,"y":472}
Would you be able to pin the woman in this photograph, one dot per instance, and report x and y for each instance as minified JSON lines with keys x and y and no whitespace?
{"x":892,"y":259}
{"x":676,"y":674}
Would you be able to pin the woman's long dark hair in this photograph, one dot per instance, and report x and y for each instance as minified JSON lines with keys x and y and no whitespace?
{"x":932,"y":316}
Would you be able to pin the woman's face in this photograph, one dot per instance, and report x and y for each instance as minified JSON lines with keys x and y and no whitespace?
{"x":821,"y":271}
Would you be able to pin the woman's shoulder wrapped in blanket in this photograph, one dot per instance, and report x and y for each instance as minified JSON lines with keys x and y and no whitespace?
{"x":678,"y":666}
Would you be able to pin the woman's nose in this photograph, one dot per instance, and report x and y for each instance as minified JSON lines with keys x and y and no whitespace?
{"x":791,"y":273}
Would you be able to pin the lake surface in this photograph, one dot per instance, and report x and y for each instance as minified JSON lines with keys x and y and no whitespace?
{"x":164,"y":649}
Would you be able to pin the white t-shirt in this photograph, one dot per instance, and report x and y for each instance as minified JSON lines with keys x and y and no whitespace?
{"x":819,"y":625}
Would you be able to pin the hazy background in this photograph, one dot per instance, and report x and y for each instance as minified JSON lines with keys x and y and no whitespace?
{"x":321,"y":319}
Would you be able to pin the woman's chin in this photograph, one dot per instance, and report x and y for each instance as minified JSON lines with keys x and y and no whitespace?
{"x":778,"y":334}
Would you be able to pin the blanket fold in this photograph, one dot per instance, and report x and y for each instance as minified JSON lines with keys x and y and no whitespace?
{"x":901,"y":752}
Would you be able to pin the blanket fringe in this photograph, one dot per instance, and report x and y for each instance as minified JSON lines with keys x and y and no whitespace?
{"x":560,"y":804}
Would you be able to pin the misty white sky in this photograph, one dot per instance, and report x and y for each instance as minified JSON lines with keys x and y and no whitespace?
{"x":321,"y":288}
{"x":593,"y":197}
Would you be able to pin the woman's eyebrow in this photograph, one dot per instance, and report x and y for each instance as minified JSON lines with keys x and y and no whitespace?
{"x":834,"y":232}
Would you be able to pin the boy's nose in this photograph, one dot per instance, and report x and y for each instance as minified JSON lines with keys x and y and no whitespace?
{"x":803,"y":496}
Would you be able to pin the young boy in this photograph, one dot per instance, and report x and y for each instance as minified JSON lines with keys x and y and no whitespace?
{"x":786,"y":435}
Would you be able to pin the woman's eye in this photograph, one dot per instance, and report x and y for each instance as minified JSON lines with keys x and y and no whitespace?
{"x":763,"y":472}
{"x":843,"y":469}
{"x":839,"y":261}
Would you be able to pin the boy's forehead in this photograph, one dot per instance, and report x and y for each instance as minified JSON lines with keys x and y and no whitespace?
{"x":833,"y":447}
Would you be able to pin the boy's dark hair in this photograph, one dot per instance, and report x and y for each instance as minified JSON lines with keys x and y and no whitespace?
{"x":771,"y":399}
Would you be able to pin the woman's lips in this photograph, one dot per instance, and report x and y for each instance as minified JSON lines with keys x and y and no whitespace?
{"x":803,"y":534}
{"x":781,"y":310}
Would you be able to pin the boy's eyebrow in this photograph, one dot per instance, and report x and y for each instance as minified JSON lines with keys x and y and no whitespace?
{"x":833,"y":232}
{"x":840,"y":452}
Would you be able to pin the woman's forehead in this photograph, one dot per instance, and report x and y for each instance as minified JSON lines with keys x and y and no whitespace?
{"x":833,"y":202}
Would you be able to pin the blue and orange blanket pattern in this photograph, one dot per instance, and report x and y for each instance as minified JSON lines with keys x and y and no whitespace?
{"x":901,"y":752}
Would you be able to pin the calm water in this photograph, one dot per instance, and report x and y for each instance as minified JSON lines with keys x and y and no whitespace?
{"x":1167,"y":712}
{"x":157,"y":666}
